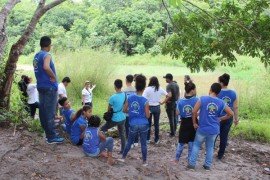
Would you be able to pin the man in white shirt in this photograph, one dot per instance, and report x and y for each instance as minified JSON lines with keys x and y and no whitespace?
{"x":62,"y":92}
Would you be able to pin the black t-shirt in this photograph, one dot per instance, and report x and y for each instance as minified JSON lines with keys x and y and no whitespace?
{"x":23,"y":87}
{"x":174,"y":89}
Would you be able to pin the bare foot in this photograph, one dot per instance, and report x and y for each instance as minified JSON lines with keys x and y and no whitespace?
{"x":103,"y":154}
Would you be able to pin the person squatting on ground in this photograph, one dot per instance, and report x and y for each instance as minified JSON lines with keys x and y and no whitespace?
{"x":95,"y":142}
{"x":129,"y":90}
{"x":47,"y":88}
{"x":79,"y":125}
{"x":116,"y":103}
{"x":211,"y":109}
{"x":32,"y":93}
{"x":184,"y":109}
{"x":87,"y":94}
{"x":171,"y":99}
{"x":68,"y":114}
{"x":230,"y":98}
{"x":154,"y":93}
{"x":137,"y":107}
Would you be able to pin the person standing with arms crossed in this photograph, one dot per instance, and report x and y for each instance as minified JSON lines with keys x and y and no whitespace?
{"x":47,"y":86}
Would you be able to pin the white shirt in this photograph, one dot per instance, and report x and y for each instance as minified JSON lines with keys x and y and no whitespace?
{"x":32,"y":93}
{"x":62,"y":90}
{"x":154,"y":96}
{"x":87,"y":95}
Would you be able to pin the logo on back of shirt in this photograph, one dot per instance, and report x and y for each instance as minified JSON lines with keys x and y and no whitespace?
{"x":35,"y":64}
{"x":135,"y":107}
{"x":212,"y":108}
{"x":88,"y":135}
{"x":188,"y":110}
{"x":227,"y":100}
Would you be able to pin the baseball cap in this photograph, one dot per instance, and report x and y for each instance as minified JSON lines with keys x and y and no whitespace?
{"x":168,"y":76}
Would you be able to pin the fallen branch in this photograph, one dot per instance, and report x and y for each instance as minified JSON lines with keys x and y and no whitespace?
{"x":11,"y":150}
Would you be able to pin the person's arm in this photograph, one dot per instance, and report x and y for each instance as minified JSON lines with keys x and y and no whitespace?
{"x":168,"y":97}
{"x":195,"y":114}
{"x":235,"y":110}
{"x":177,"y":111}
{"x":109,"y":107}
{"x":47,"y":68}
{"x":72,"y":116}
{"x":229,"y":114}
{"x":82,"y":129}
{"x":125,"y":109}
{"x":101,"y":135}
{"x":93,"y":87}
{"x":83,"y":98}
{"x":146,"y":110}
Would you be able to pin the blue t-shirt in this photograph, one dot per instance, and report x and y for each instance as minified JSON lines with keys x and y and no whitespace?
{"x":228,"y":96}
{"x":43,"y":79}
{"x":67,"y":113}
{"x":117,"y":102}
{"x":185,"y":106}
{"x":136,"y":110}
{"x":91,"y":141}
{"x":76,"y":129}
{"x":210,"y":110}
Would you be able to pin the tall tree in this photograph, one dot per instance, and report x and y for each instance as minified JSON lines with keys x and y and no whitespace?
{"x":16,"y":51}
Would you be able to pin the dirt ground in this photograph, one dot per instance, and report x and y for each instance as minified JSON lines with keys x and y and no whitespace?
{"x":27,"y":156}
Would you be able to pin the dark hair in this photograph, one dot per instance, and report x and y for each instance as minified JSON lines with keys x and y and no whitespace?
{"x":134,"y":77}
{"x":187,"y":77}
{"x":224,"y":79}
{"x":140,"y":82}
{"x":118,"y":83}
{"x":23,"y":76}
{"x":66,"y":79}
{"x":26,"y":79}
{"x":216,"y":88}
{"x":154,"y":82}
{"x":62,"y":101}
{"x":80,"y":111}
{"x":94,"y":121}
{"x":45,"y":41}
{"x":129,"y":78}
{"x":189,"y":86}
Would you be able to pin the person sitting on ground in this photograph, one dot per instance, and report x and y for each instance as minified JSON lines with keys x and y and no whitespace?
{"x":79,"y":125}
{"x":184,"y":109}
{"x":211,"y":109}
{"x":154,"y":93}
{"x":137,"y":107}
{"x":32,"y":94}
{"x":62,"y":92}
{"x":95,"y":142}
{"x":116,"y":103}
{"x":68,"y":113}
{"x":87,"y":94}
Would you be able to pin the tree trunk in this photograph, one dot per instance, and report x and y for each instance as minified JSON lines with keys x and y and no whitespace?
{"x":5,"y":11}
{"x":16,"y":51}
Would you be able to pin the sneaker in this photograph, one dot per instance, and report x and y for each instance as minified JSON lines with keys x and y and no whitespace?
{"x":55,"y":140}
{"x":136,"y":144}
{"x":157,"y":142}
{"x":207,"y":168}
{"x":121,"y":160}
{"x":145,"y":163}
{"x":190,"y":167}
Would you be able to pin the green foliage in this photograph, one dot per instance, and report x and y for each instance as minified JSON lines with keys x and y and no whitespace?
{"x":220,"y":29}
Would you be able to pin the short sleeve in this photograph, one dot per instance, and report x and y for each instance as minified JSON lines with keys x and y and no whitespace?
{"x":84,"y":92}
{"x":61,"y":90}
{"x":82,"y":123}
{"x":163,"y":92}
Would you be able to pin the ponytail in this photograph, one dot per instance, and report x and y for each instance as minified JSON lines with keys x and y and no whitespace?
{"x":80,"y":111}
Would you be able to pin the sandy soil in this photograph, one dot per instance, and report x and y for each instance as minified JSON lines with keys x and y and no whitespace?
{"x":27,"y":156}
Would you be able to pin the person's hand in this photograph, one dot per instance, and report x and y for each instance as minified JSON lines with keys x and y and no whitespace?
{"x":195,"y":126}
{"x":52,"y":79}
{"x":161,"y":103}
{"x":93,"y":86}
{"x":236,"y":121}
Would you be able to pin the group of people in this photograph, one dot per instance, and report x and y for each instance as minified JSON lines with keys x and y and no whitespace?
{"x":202,"y":119}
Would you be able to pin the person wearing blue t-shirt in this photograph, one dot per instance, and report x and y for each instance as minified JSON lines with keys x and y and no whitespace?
{"x":95,"y":142}
{"x":184,"y":109}
{"x":116,"y":103}
{"x":230,"y":98}
{"x":137,"y":107}
{"x":68,"y":113}
{"x":47,"y":88}
{"x":211,"y":109}
{"x":79,"y":125}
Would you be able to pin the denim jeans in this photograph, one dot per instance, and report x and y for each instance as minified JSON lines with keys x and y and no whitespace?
{"x":155,"y":112}
{"x":33,"y":108}
{"x":107,"y":144}
{"x":180,"y":148}
{"x":172,"y":118}
{"x":121,"y":129}
{"x":224,"y":131}
{"x":136,"y":140}
{"x":199,"y":139}
{"x":142,"y":130}
{"x":47,"y":109}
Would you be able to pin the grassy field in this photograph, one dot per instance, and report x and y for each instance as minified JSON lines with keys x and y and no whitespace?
{"x":249,"y":78}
